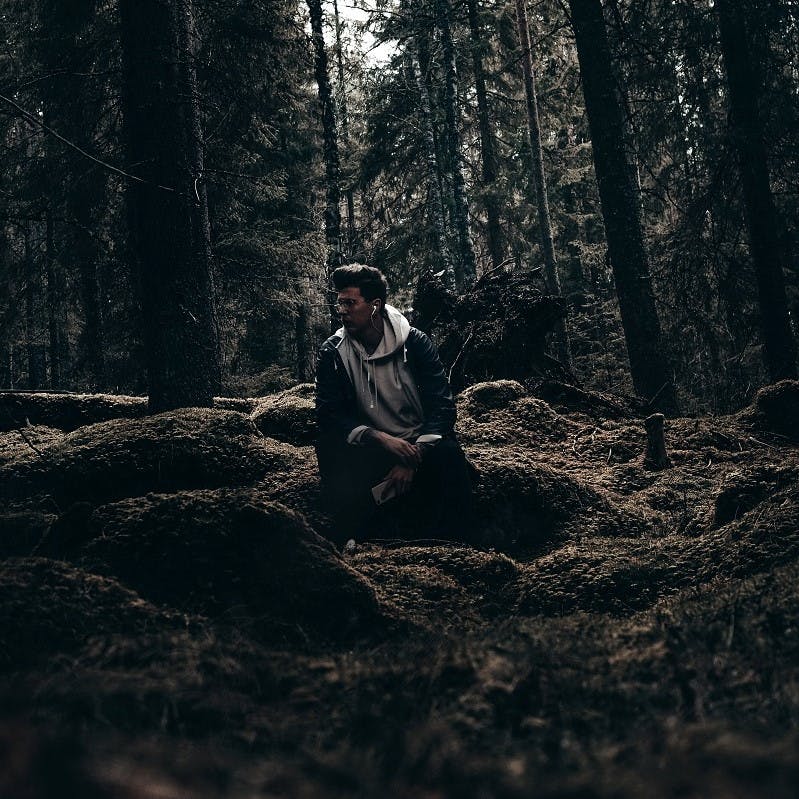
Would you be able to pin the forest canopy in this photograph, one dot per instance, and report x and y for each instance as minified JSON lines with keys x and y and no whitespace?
{"x":171,"y":204}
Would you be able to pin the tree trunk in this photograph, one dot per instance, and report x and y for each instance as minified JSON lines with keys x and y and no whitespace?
{"x":465,"y":269}
{"x":496,"y":246}
{"x":56,"y":311}
{"x":168,"y":210}
{"x":761,"y":214}
{"x":621,"y":211}
{"x":435,"y":202}
{"x":301,"y":335}
{"x":349,"y":195}
{"x":539,"y":178}
{"x":329,"y":142}
{"x":31,"y":297}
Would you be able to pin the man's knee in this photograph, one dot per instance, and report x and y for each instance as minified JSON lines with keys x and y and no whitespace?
{"x":446,"y":454}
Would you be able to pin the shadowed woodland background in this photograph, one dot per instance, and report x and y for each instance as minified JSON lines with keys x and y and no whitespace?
{"x":592,"y":208}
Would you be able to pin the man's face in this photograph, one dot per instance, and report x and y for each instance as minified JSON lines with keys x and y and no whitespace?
{"x":354,"y":311}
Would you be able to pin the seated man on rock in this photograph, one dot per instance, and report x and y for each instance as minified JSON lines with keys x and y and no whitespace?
{"x":385,"y":415}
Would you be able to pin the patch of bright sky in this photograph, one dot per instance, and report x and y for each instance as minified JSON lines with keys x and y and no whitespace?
{"x":373,"y":53}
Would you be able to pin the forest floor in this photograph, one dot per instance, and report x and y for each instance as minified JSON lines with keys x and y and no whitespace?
{"x":172,"y":625}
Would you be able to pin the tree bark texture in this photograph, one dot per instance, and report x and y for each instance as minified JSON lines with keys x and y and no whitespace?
{"x":34,"y":349}
{"x":168,"y":208}
{"x":435,"y":202}
{"x":465,"y":269}
{"x":58,"y":350}
{"x":761,"y":214}
{"x":539,"y":178}
{"x":349,"y":194}
{"x":621,"y":210}
{"x":329,"y":139}
{"x":488,"y":159}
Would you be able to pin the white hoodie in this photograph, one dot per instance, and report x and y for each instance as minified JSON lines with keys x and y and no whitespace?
{"x":386,"y":392}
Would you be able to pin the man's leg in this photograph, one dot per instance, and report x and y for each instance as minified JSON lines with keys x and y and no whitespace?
{"x":348,"y":474}
{"x":444,"y":492}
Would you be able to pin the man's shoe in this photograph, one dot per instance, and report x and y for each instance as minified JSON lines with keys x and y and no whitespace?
{"x":349,"y":548}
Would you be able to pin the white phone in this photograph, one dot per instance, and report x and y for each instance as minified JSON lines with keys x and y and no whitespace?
{"x":377,"y":491}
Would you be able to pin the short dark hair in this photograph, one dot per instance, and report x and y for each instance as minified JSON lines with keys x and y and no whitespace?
{"x":367,"y":279}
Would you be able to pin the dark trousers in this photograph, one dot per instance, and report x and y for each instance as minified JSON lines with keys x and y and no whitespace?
{"x":439,"y":504}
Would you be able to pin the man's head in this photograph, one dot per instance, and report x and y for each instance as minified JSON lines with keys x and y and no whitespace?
{"x":361,"y":296}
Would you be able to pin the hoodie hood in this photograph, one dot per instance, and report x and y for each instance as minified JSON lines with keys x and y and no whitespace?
{"x":395,"y":333}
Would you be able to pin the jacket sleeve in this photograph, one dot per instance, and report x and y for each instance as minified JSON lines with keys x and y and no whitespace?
{"x":431,"y":380}
{"x":335,"y":410}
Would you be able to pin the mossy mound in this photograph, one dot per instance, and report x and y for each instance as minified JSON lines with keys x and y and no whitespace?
{"x":27,"y":439}
{"x":22,"y":530}
{"x":521,"y":501}
{"x":746,"y":488}
{"x":181,"y":681}
{"x":776,"y":409}
{"x":188,"y":448}
{"x":288,"y":416}
{"x":441,"y":585}
{"x":66,"y":411}
{"x":626,"y":574}
{"x":525,"y":421}
{"x":71,"y":411}
{"x":483,"y":398}
{"x":49,"y":607}
{"x":232,"y":554}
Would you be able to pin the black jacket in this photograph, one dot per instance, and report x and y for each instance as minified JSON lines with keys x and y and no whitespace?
{"x":336,"y":404}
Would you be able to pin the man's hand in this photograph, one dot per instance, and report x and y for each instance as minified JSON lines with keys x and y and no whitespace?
{"x":406,"y":453}
{"x":399,"y":480}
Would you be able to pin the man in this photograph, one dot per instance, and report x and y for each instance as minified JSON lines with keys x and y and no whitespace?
{"x":385,"y":415}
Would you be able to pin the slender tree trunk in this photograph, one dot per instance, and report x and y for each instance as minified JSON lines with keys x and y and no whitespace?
{"x":329,"y":142}
{"x":434,"y":200}
{"x":301,"y":341}
{"x":31,"y":296}
{"x":496,"y":246}
{"x":85,"y":257}
{"x":29,"y":306}
{"x":621,"y":211}
{"x":169,"y":211}
{"x":56,"y":319}
{"x":465,"y":269}
{"x":761,"y":213}
{"x":539,"y":178}
{"x":349,"y":195}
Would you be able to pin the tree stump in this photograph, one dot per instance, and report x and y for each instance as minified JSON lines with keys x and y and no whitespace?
{"x":656,"y":457}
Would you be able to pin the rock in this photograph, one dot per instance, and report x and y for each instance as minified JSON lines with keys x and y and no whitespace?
{"x":234,"y":554}
{"x":187,"y":448}
{"x":288,"y":416}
